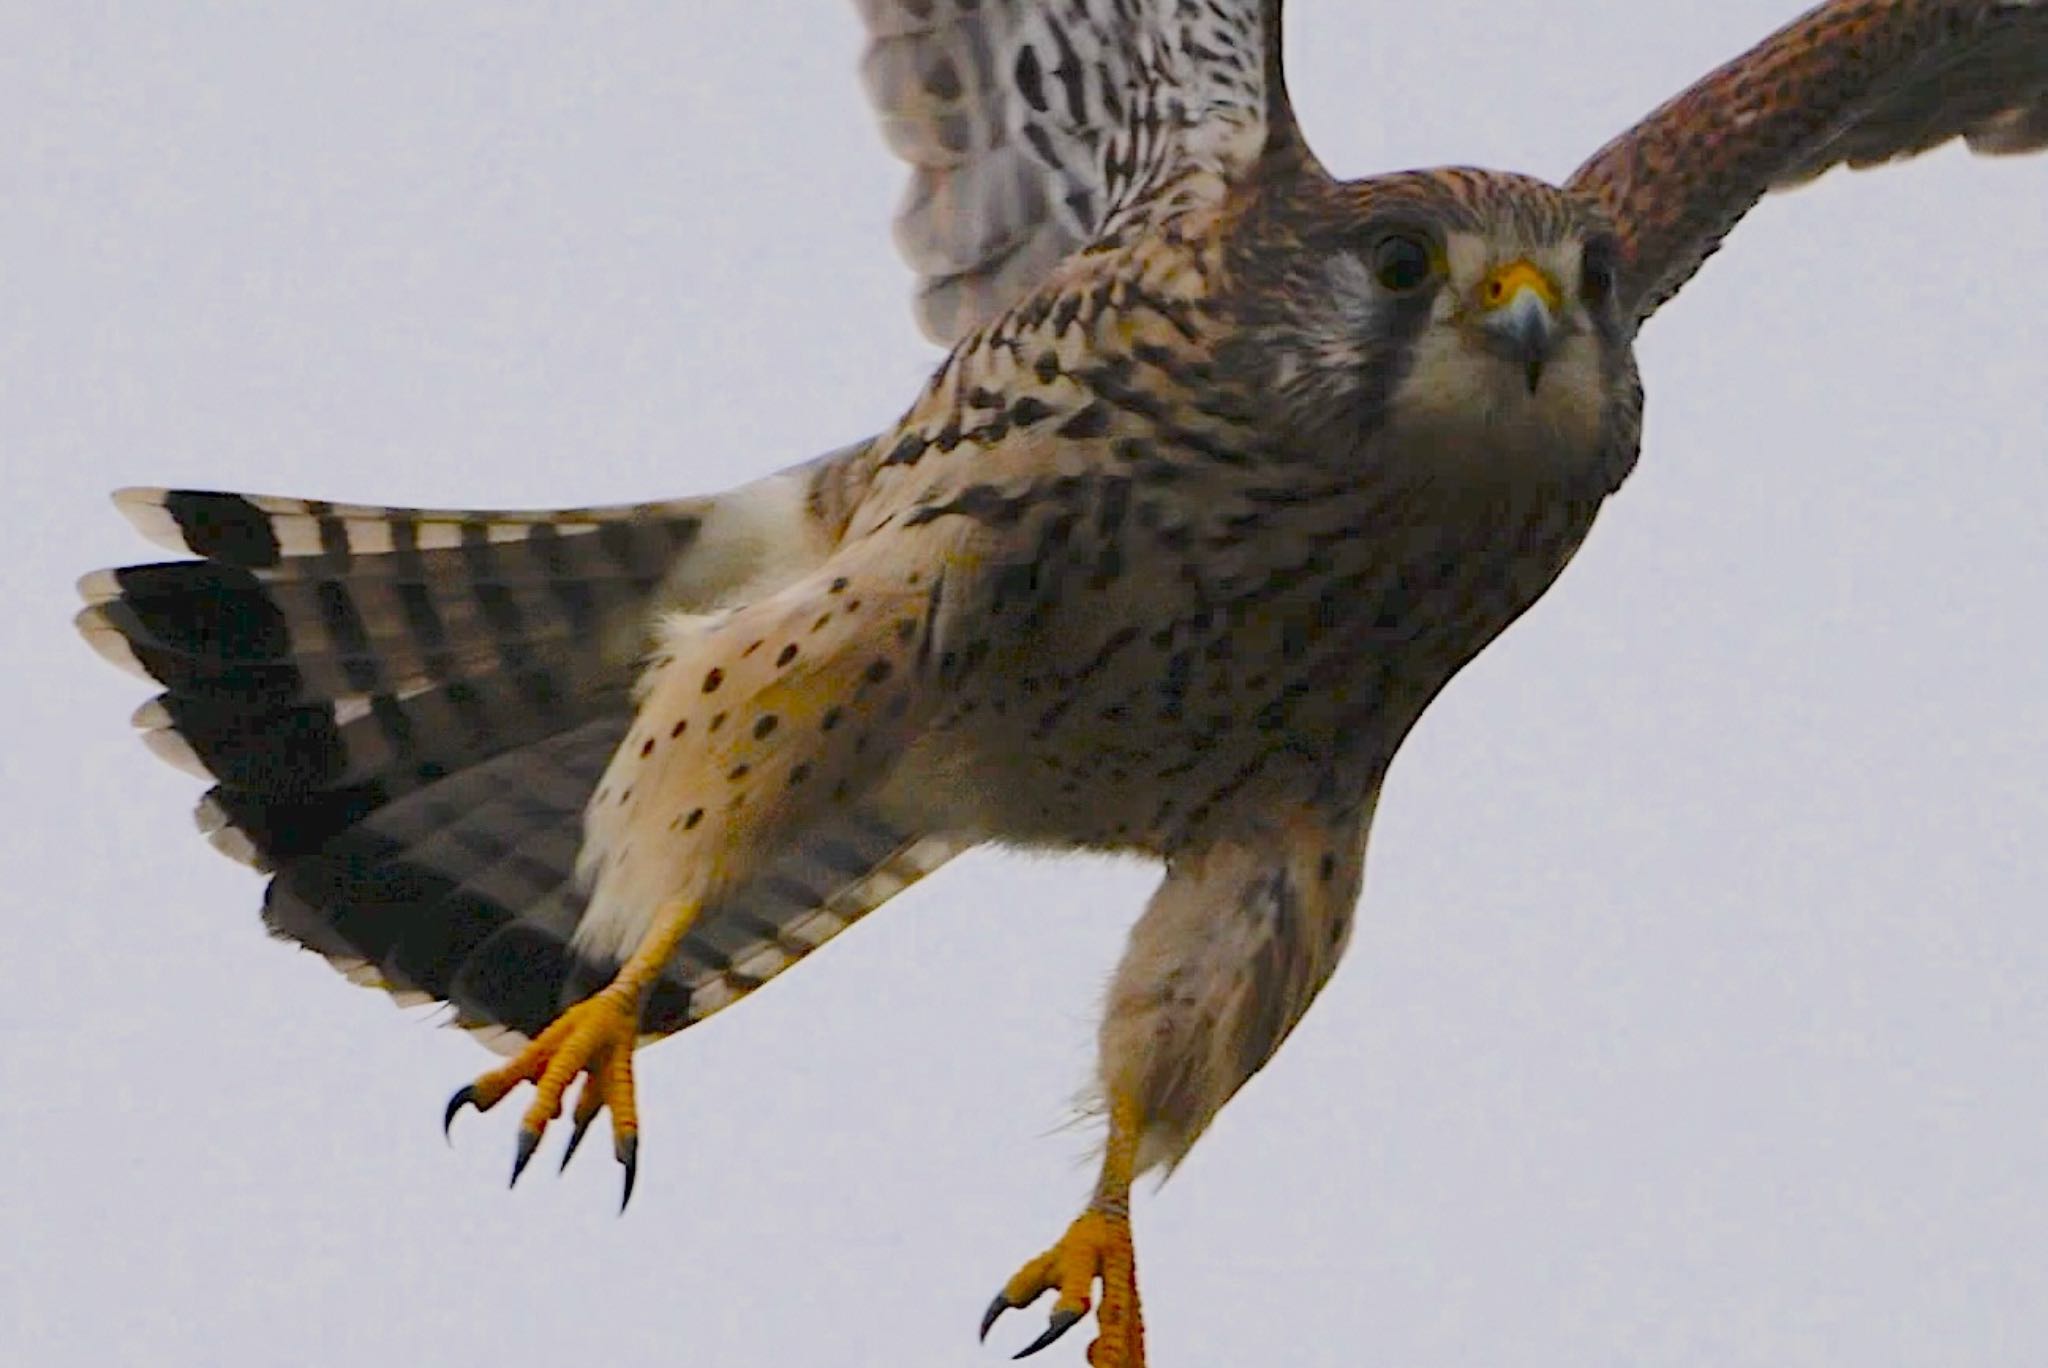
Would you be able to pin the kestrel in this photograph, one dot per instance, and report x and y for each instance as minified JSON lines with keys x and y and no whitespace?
{"x":1229,"y":468}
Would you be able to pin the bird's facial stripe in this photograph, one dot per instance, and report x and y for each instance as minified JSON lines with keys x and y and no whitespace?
{"x":1504,"y":284}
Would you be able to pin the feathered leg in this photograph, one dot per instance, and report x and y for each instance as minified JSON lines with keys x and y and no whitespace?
{"x":1233,"y":948}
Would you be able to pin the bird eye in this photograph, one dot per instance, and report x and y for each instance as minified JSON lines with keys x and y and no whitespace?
{"x":1401,"y":262}
{"x":1596,"y":273}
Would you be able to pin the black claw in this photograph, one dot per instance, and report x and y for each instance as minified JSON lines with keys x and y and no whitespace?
{"x":465,"y":1096}
{"x":1062,"y":1321}
{"x":575,"y":1139}
{"x":529,"y":1141}
{"x":994,"y":1313}
{"x":627,"y":1149}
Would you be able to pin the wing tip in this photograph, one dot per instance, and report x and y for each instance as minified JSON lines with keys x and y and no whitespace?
{"x":109,"y":642}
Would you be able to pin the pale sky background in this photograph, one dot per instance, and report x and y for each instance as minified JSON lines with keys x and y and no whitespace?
{"x":1698,"y":1012}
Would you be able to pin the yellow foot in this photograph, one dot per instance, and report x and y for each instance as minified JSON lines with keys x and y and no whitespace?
{"x":595,"y":1039}
{"x":1097,"y":1245}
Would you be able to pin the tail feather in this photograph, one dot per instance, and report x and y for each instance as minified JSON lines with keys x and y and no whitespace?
{"x":463,"y":892}
{"x":297,"y":537}
{"x":827,"y":879}
{"x":404,"y":740}
{"x":467,"y":893}
{"x":341,"y":637}
{"x":404,"y":713}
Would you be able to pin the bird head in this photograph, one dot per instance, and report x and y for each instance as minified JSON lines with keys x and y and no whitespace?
{"x":1465,"y":316}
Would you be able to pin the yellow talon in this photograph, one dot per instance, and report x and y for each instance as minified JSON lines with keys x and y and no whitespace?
{"x":594,"y":1039}
{"x":1096,"y":1246}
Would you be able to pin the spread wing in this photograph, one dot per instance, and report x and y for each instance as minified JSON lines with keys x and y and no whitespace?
{"x":1030,"y":125}
{"x":1852,"y":83}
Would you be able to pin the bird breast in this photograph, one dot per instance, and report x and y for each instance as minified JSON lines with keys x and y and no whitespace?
{"x":1141,"y":665}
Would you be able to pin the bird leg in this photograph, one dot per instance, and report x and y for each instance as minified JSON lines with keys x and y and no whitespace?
{"x":1096,"y":1246}
{"x":1228,"y":955}
{"x":594,"y":1038}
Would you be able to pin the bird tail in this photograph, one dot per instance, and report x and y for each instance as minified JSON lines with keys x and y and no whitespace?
{"x":404,"y":711}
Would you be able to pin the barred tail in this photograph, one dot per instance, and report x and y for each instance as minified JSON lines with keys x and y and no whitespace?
{"x":404,"y":711}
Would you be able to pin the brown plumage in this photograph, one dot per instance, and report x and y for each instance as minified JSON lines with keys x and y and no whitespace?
{"x":1230,"y":468}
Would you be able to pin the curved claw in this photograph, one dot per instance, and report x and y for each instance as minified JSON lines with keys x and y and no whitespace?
{"x":575,"y":1139}
{"x":627,"y":1150}
{"x":529,"y":1141}
{"x":592,"y":1040}
{"x":996,"y":1307}
{"x":1062,"y":1321}
{"x":465,"y":1096}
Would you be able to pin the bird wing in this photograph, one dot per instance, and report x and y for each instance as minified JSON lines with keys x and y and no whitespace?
{"x":1031,"y":125}
{"x":1852,"y":83}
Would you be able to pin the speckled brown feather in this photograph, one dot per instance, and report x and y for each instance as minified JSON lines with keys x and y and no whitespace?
{"x":1029,"y":127}
{"x":753,"y":727}
{"x":1852,"y":83}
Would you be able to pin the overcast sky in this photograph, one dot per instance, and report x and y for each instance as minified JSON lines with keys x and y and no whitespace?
{"x":1696,"y":1014}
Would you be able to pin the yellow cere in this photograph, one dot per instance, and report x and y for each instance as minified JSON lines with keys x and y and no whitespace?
{"x":1503,"y":283}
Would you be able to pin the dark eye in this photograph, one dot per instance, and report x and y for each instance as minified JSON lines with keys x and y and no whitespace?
{"x":1596,"y":273}
{"x":1401,"y":262}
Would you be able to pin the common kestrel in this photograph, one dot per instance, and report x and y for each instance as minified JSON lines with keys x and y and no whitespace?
{"x":1229,"y":468}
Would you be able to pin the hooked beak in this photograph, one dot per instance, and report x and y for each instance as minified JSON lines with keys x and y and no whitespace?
{"x":1518,"y":308}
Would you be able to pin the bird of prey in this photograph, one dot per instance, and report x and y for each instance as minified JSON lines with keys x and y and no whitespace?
{"x":1229,"y":468}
